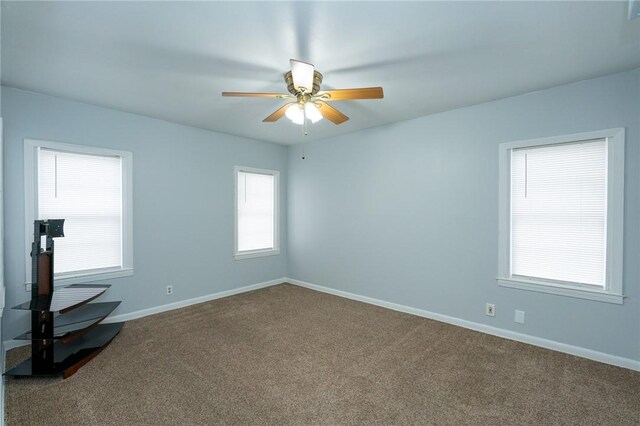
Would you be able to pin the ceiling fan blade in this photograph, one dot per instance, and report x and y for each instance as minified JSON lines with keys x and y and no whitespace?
{"x":258,"y":95}
{"x":344,"y":94}
{"x":302,"y":74}
{"x":330,"y":113}
{"x":278,"y":114}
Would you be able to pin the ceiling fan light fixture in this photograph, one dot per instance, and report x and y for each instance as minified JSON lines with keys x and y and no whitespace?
{"x":312,"y":112}
{"x":295,"y":114}
{"x":302,"y":74}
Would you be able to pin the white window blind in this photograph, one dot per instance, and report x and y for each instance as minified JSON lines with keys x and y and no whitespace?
{"x":86,"y":191}
{"x":559,"y":212}
{"x":256,"y":211}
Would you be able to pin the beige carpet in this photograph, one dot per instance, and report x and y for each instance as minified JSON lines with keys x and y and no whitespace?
{"x":288,"y":355}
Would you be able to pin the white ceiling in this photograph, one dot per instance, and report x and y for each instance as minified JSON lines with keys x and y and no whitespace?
{"x":171,"y":60}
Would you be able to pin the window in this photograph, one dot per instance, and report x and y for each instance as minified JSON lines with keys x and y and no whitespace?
{"x":256,"y":212}
{"x":561,"y":206}
{"x":91,"y":189}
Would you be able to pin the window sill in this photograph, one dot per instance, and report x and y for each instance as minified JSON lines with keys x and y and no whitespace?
{"x":86,"y":277}
{"x":562,"y":290}
{"x":256,"y":253}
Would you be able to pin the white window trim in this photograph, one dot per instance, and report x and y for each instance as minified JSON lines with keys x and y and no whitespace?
{"x":237,"y":255}
{"x":612,"y":292}
{"x":2,"y":283}
{"x":30,"y":204}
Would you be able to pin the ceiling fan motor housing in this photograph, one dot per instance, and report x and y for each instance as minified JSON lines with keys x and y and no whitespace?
{"x":317,"y":80}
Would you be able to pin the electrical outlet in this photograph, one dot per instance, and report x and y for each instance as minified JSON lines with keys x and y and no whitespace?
{"x":169,"y":289}
{"x":491,"y":310}
{"x":519,"y":318}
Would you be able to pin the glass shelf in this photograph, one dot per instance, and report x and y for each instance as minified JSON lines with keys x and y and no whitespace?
{"x":68,"y":358}
{"x":65,"y":299}
{"x":71,"y":325}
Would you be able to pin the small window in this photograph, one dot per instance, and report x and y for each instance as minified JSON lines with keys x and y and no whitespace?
{"x":561,"y":215}
{"x":256,"y":213}
{"x":90,"y":188}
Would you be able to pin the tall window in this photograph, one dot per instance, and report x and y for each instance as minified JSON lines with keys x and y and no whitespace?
{"x":561,"y":215}
{"x":89,"y":188}
{"x":256,"y":212}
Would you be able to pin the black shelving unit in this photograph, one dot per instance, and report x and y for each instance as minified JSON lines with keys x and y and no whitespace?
{"x":65,"y":329}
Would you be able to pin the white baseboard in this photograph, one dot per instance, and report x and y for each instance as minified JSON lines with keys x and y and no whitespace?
{"x":11,"y":344}
{"x":507,"y":334}
{"x":189,"y":302}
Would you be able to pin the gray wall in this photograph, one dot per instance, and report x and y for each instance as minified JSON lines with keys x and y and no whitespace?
{"x":408,"y":212}
{"x":182,"y":200}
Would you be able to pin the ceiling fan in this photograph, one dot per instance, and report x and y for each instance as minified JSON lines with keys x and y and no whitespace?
{"x":303,"y":83}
